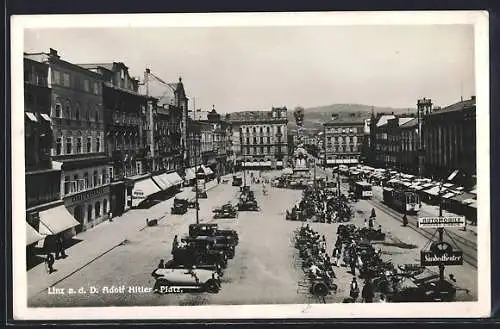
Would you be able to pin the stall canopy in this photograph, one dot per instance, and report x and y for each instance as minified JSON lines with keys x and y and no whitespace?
{"x":433,"y":190}
{"x":463,"y":197}
{"x":174,"y":178}
{"x":190,"y":174}
{"x":448,"y":195}
{"x":32,"y":236}
{"x":144,"y":188}
{"x":162,"y":181}
{"x":56,"y":220}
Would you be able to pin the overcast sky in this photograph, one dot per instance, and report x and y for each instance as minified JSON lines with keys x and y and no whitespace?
{"x":252,"y":68}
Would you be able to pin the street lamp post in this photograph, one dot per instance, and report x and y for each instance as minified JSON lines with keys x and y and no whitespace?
{"x":441,"y":230}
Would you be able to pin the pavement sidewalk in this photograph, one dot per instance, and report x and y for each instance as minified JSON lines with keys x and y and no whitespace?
{"x":98,"y":241}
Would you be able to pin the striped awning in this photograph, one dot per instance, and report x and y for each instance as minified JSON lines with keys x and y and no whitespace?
{"x":174,"y":178}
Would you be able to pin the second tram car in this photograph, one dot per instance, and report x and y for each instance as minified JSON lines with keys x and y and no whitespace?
{"x":401,"y":198}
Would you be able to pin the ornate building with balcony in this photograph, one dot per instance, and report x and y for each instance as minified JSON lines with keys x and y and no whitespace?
{"x":343,"y":140}
{"x":259,"y":138}
{"x":124,"y":114}
{"x":77,"y":122}
{"x":42,"y":179}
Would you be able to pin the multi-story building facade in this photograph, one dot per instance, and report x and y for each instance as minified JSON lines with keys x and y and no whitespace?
{"x":42,"y":179}
{"x":124,"y":113}
{"x":343,"y":138}
{"x":77,"y":122}
{"x":409,"y":147}
{"x":378,"y":131}
{"x":221,"y":130}
{"x":394,"y":142}
{"x":449,"y":136}
{"x":259,"y":138}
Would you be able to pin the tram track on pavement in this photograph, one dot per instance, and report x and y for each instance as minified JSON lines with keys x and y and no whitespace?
{"x":468,"y":250}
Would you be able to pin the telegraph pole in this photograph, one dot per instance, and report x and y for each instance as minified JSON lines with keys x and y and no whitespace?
{"x":441,"y":230}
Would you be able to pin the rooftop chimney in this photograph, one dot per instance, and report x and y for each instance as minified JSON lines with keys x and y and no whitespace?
{"x":53,"y":52}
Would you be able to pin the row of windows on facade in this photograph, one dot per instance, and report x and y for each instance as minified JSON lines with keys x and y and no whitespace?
{"x":37,"y":77}
{"x":75,"y":82}
{"x":126,"y":118}
{"x":261,"y":130}
{"x":77,"y":148}
{"x":340,"y":139}
{"x":78,"y":114}
{"x":260,"y":150}
{"x":348,"y":149}
{"x":341,"y":130}
{"x":85,"y":182}
{"x":261,"y":139}
{"x":78,"y":213}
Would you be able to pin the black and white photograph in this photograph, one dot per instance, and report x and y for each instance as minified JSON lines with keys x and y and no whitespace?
{"x":251,"y":166}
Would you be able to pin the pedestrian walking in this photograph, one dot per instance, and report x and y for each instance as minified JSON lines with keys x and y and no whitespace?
{"x":354,"y":289}
{"x":373,"y":215}
{"x":370,"y":223}
{"x":367,"y":294}
{"x":175,"y":244}
{"x":405,"y":220}
{"x":162,"y":263}
{"x":50,"y":262}
{"x":61,"y":245}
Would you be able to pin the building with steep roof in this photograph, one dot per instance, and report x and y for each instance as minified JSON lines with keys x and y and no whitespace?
{"x":409,"y":147}
{"x":259,"y":138}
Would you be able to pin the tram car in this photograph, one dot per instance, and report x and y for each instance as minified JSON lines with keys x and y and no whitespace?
{"x":401,"y":198}
{"x":362,"y":190}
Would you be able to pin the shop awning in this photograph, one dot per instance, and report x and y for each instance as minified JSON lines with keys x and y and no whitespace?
{"x":32,"y":236}
{"x":144,"y":188}
{"x":174,"y":178}
{"x":190,"y":174}
{"x":207,"y":170}
{"x":162,"y":181}
{"x":45,"y":117}
{"x":55,"y":220}
{"x":31,"y":116}
{"x":433,"y":190}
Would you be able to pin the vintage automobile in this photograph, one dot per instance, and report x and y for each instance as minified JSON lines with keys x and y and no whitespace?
{"x":426,"y":287}
{"x":212,"y":229}
{"x":172,"y":263}
{"x":217,"y":242}
{"x":190,"y":253}
{"x":181,"y":279}
{"x":237,"y":181}
{"x":180,"y":206}
{"x":226,"y":211}
{"x":248,"y":205}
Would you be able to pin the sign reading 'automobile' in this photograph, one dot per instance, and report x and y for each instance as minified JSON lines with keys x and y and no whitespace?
{"x":441,"y":222}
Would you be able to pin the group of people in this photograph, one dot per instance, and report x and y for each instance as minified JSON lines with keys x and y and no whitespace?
{"x":60,"y":252}
{"x":323,"y":206}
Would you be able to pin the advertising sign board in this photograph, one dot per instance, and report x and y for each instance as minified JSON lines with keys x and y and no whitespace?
{"x":441,"y":222}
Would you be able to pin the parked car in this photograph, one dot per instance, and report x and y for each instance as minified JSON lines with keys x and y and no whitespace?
{"x":218,"y":243}
{"x":212,"y":229}
{"x":180,"y":279}
{"x":180,"y":206}
{"x":237,"y":181}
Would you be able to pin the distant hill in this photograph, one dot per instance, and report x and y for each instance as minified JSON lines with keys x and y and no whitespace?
{"x":314,"y":117}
